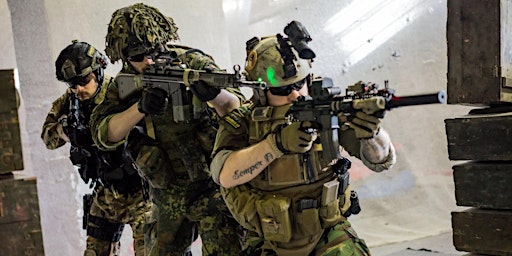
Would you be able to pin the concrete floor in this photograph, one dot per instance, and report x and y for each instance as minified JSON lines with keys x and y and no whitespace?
{"x":434,"y":245}
{"x":439,"y":245}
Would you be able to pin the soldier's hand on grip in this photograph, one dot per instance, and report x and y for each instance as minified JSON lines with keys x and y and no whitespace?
{"x":365,"y":126}
{"x":203,"y":91}
{"x":297,"y":137}
{"x":154,"y":101}
{"x":63,"y":121}
{"x":63,"y":127}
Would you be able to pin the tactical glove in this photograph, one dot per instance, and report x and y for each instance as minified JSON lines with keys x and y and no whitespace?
{"x":63,"y":120}
{"x":63,"y":128}
{"x":203,"y":91}
{"x":297,"y":137}
{"x":365,"y":126}
{"x":154,"y":101}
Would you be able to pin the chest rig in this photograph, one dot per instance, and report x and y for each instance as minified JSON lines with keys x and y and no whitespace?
{"x":114,"y":168}
{"x":300,"y":168}
{"x":185,"y":132}
{"x":285,"y":203}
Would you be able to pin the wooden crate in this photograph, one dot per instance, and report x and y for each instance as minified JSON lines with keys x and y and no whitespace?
{"x":10,"y":137}
{"x":480,"y":137}
{"x":478,"y":34}
{"x":484,"y":185}
{"x":483,"y":231}
{"x":20,"y":227}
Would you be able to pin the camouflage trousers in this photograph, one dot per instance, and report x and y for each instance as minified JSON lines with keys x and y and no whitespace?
{"x":131,"y":209}
{"x":181,"y":209}
{"x":340,"y":240}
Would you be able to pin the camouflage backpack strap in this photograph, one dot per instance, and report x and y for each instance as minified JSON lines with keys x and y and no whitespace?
{"x":150,"y":129}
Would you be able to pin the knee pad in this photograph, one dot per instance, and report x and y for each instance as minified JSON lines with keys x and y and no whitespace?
{"x":104,"y":229}
{"x":89,"y":252}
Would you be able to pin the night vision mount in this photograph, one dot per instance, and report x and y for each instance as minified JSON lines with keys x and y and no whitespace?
{"x":299,"y":37}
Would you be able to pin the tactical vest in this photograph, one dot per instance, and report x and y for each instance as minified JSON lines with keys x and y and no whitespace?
{"x":291,"y":202}
{"x":301,"y":168}
{"x":114,"y":169}
{"x":180,"y":152}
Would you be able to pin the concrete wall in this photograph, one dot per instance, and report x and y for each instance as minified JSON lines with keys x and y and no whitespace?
{"x":402,"y":41}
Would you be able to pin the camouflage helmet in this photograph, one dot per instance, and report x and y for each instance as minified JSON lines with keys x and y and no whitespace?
{"x":78,"y":60}
{"x":265,"y":62}
{"x":137,"y":29}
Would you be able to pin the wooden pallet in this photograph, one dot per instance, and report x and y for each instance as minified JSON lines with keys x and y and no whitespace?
{"x":20,"y":227}
{"x":479,"y":39}
{"x":10,"y":137}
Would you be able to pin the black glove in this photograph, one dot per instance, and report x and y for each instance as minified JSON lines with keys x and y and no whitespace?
{"x":203,"y":91}
{"x":154,"y":101}
{"x":297,"y":137}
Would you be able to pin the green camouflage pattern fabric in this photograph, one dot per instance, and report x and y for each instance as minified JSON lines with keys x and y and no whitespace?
{"x":129,"y":209}
{"x":147,"y":24}
{"x":198,"y":206}
{"x":49,"y":134}
{"x":341,"y":240}
{"x":179,"y":148}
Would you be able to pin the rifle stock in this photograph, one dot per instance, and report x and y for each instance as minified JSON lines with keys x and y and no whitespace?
{"x":325,"y":103}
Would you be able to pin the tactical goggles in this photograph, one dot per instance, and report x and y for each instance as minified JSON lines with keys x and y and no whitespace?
{"x":74,"y":82}
{"x":286,"y":90}
{"x":139,"y":57}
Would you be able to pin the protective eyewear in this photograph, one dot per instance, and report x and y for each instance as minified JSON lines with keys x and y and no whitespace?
{"x":138,"y":57}
{"x":286,"y":90}
{"x":74,"y":82}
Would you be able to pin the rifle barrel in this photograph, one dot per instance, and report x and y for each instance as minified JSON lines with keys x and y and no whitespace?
{"x":395,"y":102}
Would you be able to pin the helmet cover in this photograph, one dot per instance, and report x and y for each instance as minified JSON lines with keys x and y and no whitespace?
{"x":137,"y":29}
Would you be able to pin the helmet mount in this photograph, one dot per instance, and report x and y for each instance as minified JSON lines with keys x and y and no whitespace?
{"x":78,"y":60}
{"x":278,"y":60}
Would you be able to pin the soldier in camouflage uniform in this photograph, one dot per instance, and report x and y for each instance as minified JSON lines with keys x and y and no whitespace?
{"x":174,"y":155}
{"x":118,"y":196}
{"x":273,"y":176}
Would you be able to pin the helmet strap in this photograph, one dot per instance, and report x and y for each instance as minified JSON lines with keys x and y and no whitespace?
{"x":98,"y":73}
{"x":262,"y":96}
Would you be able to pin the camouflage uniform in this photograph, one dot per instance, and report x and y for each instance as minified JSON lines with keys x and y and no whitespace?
{"x":173,"y":156}
{"x":333,"y":233}
{"x":112,"y":206}
{"x":176,"y":166}
{"x":299,"y":203}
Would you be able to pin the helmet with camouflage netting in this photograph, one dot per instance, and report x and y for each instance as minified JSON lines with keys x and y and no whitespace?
{"x":279,"y":61}
{"x":77,"y":61}
{"x":138,"y":29}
